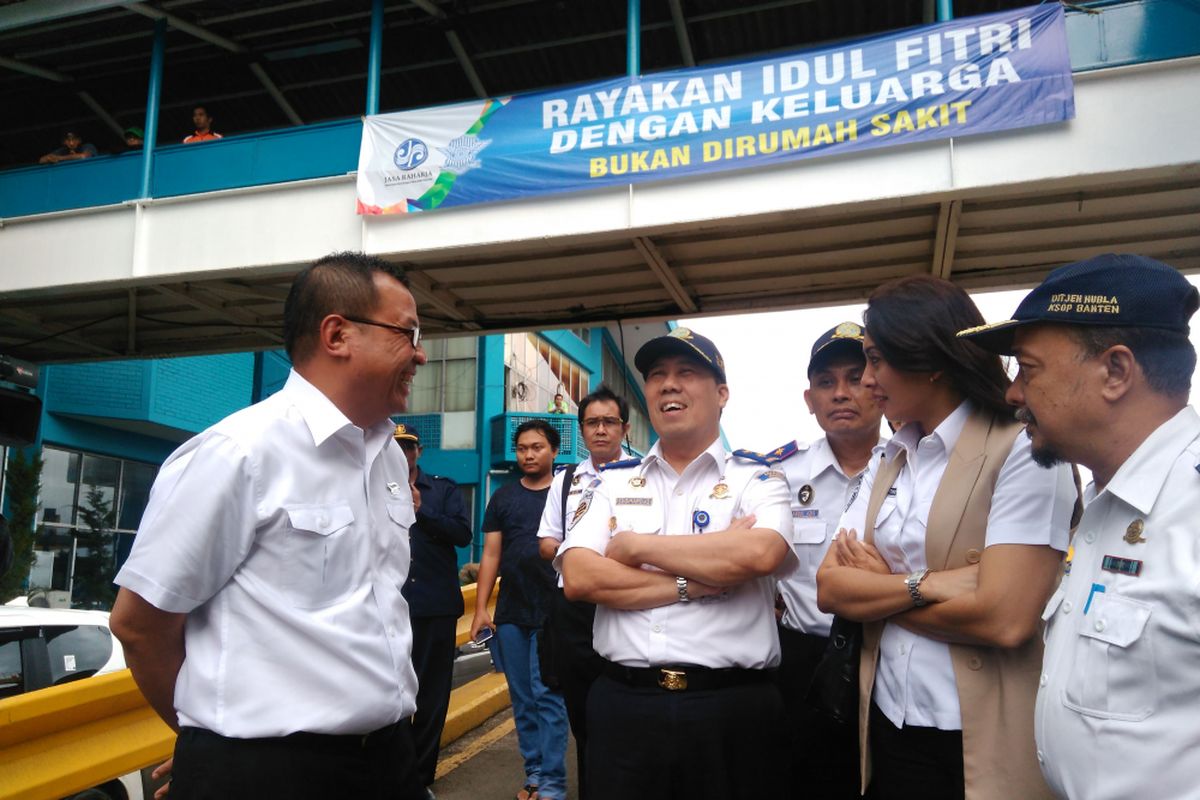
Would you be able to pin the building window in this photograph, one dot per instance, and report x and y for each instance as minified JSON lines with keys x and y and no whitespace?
{"x":615,"y":378}
{"x":89,"y":509}
{"x":535,"y":371}
{"x":447,"y":381}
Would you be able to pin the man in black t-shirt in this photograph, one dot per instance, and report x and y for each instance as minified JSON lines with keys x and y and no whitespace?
{"x":510,"y":548}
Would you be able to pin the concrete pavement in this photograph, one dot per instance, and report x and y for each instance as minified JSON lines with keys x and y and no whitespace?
{"x":486,"y":765}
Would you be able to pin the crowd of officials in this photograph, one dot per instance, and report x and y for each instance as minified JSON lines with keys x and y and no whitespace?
{"x":944,"y":612}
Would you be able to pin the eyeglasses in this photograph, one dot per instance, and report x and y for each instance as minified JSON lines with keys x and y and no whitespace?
{"x":595,"y":423}
{"x":414,"y":334}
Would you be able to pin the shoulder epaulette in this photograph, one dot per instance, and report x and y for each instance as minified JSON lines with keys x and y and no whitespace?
{"x":559,"y":468}
{"x":622,"y":464}
{"x":773,"y":457}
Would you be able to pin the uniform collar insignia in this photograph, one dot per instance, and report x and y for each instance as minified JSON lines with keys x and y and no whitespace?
{"x":781,"y":453}
{"x":623,"y":464}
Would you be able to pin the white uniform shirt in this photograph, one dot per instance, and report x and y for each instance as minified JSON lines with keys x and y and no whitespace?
{"x":813,"y":524}
{"x":1118,"y":711}
{"x":914,"y":683}
{"x":737,"y":630}
{"x":282,"y":532}
{"x":551,"y":526}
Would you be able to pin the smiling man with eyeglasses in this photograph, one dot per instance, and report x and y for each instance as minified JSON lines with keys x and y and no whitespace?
{"x":261,"y":608}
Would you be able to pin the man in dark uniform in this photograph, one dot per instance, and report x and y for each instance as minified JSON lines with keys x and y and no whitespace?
{"x":434,"y":597}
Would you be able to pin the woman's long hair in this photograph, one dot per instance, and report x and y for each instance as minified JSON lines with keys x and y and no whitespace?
{"x":913,"y":322}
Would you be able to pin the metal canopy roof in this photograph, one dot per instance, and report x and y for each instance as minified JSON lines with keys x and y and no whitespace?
{"x":83,"y":65}
{"x":1114,"y":190}
{"x":776,"y":261}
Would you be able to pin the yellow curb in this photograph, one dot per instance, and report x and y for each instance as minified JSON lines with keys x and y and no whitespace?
{"x":473,"y":703}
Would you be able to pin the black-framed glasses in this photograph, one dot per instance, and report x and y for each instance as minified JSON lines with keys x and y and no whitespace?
{"x":413,"y":334}
{"x":595,"y":423}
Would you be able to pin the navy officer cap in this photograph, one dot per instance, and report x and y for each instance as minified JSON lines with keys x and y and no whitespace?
{"x":843,"y":338}
{"x":1120,"y":291}
{"x":681,"y":342}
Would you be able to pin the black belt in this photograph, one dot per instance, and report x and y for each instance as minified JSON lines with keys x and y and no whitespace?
{"x":343,"y":741}
{"x":683,"y":677}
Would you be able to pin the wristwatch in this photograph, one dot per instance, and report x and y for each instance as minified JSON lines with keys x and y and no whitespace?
{"x":681,"y":586}
{"x":913,"y":582}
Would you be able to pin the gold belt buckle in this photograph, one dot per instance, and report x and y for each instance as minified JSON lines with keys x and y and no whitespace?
{"x":672,"y":680}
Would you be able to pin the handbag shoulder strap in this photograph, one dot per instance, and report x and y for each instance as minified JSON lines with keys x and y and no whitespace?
{"x":568,"y":473}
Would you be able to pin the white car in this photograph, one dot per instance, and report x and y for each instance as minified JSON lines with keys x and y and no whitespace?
{"x":41,"y":647}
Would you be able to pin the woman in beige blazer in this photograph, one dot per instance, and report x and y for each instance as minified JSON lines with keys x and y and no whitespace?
{"x":947,"y":555}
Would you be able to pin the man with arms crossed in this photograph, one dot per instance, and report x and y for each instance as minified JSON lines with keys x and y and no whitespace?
{"x":822,"y":476}
{"x":678,"y":553}
{"x":604,"y":420}
{"x":260,"y":609}
{"x":1105,"y":368}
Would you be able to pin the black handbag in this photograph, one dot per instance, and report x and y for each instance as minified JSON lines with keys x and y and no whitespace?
{"x":833,"y":692}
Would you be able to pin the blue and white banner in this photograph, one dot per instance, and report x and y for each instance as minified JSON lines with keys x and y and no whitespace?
{"x":972,"y":75}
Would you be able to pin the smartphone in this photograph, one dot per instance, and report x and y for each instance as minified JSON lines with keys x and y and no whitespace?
{"x":483,"y":635}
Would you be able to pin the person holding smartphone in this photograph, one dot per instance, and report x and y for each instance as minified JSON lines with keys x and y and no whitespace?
{"x":510,"y":549}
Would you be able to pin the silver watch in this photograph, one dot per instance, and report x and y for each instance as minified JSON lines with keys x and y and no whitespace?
{"x":913,"y":582}
{"x":681,"y":586}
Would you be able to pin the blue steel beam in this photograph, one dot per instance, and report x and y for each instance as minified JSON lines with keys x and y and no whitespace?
{"x":634,"y":38}
{"x":945,"y":10}
{"x":375,"y":57}
{"x":152,"y":96}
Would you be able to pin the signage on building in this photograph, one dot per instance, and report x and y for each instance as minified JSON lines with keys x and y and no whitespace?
{"x":969,"y":76}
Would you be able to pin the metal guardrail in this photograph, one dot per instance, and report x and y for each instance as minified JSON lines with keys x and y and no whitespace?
{"x":65,"y":739}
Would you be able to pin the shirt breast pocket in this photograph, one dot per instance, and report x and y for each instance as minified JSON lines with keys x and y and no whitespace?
{"x":325,"y":555}
{"x":809,"y":537}
{"x":1114,"y":673}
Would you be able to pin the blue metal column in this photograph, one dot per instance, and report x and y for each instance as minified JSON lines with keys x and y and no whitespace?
{"x":634,"y":38}
{"x":375,"y":57}
{"x":152,"y":95}
{"x":945,"y":10}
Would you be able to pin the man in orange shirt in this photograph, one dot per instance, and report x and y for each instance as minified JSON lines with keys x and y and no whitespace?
{"x":203,"y":123}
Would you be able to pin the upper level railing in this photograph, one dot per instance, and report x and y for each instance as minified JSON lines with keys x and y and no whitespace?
{"x":1110,"y":33}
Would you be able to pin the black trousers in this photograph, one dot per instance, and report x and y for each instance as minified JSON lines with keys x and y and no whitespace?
{"x":913,"y":762}
{"x":433,"y":660}
{"x":576,"y":666}
{"x":303,"y":766}
{"x":823,"y":755}
{"x":724,"y":744}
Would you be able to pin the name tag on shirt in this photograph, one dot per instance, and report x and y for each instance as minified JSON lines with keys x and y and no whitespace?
{"x":806,"y":513}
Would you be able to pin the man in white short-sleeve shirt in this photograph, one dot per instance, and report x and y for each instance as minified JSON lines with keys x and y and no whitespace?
{"x":1105,"y":368}
{"x":679,"y":552}
{"x":823,"y":476}
{"x":604,"y":423}
{"x":260,"y":608}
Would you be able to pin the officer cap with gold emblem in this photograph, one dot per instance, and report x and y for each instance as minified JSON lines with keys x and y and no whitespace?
{"x":403,"y":433}
{"x":1120,"y":291}
{"x":845,"y":338}
{"x":681,"y":342}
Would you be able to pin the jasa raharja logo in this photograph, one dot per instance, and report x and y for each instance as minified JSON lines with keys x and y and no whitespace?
{"x":410,"y":154}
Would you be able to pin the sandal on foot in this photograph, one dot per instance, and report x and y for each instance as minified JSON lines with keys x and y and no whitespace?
{"x":528,"y":792}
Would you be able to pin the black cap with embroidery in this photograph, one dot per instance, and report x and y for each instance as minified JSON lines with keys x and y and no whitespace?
{"x":681,"y":342}
{"x":1120,"y":291}
{"x":845,"y":337}
{"x":403,"y":433}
